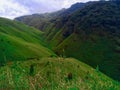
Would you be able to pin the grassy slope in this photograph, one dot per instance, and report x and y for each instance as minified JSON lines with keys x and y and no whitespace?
{"x":94,"y":51}
{"x":85,"y":49}
{"x":19,"y":42}
{"x":52,"y":73}
{"x":100,"y":20}
{"x":95,"y":38}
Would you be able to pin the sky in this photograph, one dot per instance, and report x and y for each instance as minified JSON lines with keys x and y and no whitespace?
{"x":15,"y":8}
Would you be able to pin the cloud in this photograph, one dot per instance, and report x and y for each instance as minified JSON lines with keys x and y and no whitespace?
{"x":14,"y":8}
{"x":11,"y":9}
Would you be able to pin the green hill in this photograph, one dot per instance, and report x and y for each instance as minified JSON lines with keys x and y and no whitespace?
{"x":90,"y":33}
{"x":54,"y":74}
{"x":20,"y":42}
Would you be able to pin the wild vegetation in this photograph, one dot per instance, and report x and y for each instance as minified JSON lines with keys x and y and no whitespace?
{"x":54,"y":74}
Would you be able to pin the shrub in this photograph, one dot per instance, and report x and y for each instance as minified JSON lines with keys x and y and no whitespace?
{"x":31,"y":70}
{"x":70,"y":76}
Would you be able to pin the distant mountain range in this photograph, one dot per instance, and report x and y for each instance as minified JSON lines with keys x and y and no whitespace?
{"x":40,"y":20}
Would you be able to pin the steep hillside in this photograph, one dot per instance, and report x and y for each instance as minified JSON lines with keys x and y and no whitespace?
{"x":54,"y":74}
{"x":90,"y":34}
{"x":20,"y":42}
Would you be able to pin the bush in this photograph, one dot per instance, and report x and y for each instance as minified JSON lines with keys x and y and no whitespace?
{"x":70,"y":76}
{"x":31,"y":70}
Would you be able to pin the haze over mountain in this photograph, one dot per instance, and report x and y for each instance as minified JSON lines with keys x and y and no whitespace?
{"x":14,"y":8}
{"x":41,"y":20}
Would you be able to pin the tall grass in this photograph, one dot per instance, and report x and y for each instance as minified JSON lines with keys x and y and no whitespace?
{"x":52,"y":74}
